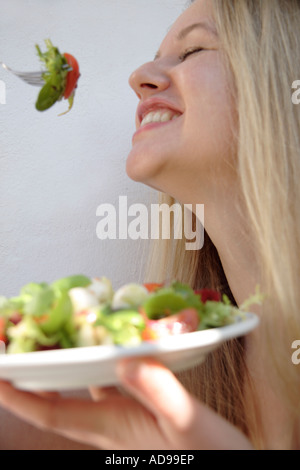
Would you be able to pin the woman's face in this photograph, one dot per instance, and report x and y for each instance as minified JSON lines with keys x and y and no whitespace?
{"x":184,"y":141}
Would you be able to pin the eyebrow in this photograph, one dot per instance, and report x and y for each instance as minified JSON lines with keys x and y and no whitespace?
{"x":185,"y":31}
{"x":202,"y":25}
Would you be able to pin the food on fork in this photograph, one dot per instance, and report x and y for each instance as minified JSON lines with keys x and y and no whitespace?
{"x":77,"y":311}
{"x":61,"y":77}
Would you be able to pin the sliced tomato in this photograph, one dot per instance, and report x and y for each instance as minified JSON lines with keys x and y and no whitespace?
{"x":185,"y":321}
{"x":73,"y":75}
{"x":3,"y":336}
{"x":152,"y":286}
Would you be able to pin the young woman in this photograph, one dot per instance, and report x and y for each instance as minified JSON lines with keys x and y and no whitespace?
{"x":229,"y":139}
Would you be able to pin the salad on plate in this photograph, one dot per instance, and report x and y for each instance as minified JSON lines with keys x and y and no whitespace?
{"x":77,"y":311}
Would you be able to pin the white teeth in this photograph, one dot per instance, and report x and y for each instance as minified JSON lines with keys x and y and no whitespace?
{"x":166,"y":116}
{"x":156,"y":117}
{"x":147,"y":119}
{"x":159,"y":116}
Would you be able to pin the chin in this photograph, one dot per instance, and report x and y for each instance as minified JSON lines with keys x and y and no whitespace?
{"x":142,"y":169}
{"x":132,"y":171}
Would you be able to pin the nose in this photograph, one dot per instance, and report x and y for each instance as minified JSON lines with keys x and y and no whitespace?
{"x":147,"y":78}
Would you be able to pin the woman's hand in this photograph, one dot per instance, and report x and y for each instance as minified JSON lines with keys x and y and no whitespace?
{"x":156,"y":412}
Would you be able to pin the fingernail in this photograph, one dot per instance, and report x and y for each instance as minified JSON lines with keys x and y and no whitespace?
{"x":4,"y":382}
{"x":130,"y":369}
{"x":4,"y":386}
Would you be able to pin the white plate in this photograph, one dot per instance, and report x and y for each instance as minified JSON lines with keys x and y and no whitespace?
{"x":78,"y":368}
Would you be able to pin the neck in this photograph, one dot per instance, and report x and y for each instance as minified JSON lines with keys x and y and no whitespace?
{"x":226,"y":227}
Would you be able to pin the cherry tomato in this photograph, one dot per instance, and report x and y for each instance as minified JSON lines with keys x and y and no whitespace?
{"x":185,"y":321}
{"x":15,"y":318}
{"x":208,"y":294}
{"x":73,"y":75}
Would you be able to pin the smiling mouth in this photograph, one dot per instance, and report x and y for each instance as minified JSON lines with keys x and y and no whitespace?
{"x":159,"y":116}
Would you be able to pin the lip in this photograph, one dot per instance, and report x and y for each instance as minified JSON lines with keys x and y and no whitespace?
{"x":152,"y":125}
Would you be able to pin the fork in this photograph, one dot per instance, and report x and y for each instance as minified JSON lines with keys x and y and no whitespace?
{"x":32,"y":78}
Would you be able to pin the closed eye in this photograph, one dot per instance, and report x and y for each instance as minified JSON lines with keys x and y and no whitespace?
{"x":189,"y":52}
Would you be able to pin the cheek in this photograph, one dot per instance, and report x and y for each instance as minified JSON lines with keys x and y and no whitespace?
{"x":210,"y":118}
{"x":210,"y":125}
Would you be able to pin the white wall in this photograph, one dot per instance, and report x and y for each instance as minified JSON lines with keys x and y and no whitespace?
{"x":55,"y":171}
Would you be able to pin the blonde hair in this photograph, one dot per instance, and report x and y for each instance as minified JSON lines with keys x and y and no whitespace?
{"x":260,"y":42}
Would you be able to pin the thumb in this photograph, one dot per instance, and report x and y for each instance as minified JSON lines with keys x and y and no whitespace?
{"x":184,"y":420}
{"x":158,"y":390}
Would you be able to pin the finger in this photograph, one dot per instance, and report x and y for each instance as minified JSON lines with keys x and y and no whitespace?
{"x":85,"y":421}
{"x":98,"y":393}
{"x":37,"y":409}
{"x":50,"y":395}
{"x":49,"y":413}
{"x":158,"y":389}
